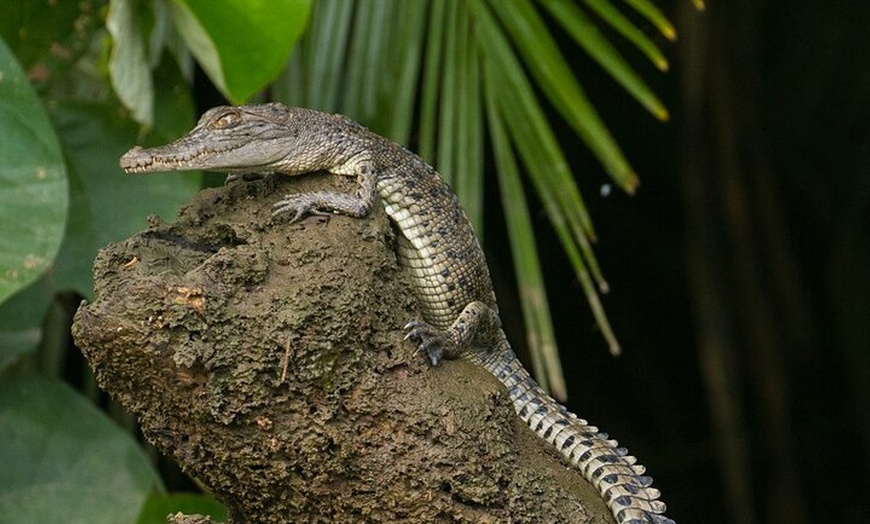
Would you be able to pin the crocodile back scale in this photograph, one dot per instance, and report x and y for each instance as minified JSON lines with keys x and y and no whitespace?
{"x":437,"y":247}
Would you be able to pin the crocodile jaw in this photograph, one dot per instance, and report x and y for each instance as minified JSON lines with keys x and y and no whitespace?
{"x":180,"y":156}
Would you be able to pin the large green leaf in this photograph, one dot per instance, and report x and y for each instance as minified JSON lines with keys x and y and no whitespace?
{"x":105,"y":204}
{"x":21,"y":320}
{"x":241,"y":44}
{"x":33,"y":185}
{"x":64,"y":461}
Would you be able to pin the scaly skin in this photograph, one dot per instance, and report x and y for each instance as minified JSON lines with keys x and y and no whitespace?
{"x":436,"y":245}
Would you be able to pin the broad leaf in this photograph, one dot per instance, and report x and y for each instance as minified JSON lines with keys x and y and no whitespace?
{"x":21,"y":320}
{"x":105,"y":204}
{"x":241,"y":44}
{"x":33,"y":185}
{"x":64,"y":461}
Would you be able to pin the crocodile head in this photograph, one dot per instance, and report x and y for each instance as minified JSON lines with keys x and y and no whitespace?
{"x":253,"y":138}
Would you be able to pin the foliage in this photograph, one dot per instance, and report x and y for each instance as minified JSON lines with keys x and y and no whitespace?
{"x":63,"y":460}
{"x":80,"y":82}
{"x":34,"y":196}
{"x":443,"y":76}
{"x":63,"y":197}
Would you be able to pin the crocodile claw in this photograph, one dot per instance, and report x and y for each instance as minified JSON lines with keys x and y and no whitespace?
{"x":243,"y":177}
{"x":299,"y":205}
{"x":431,"y":340}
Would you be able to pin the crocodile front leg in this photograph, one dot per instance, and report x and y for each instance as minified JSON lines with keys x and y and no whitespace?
{"x":325,"y":202}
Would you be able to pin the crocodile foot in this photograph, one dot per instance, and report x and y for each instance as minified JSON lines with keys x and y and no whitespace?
{"x":436,"y":343}
{"x":300,"y":206}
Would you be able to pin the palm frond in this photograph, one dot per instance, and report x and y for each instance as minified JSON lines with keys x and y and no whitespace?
{"x":444,"y":76}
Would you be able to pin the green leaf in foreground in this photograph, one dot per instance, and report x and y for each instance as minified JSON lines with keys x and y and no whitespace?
{"x":64,"y":461}
{"x":105,"y":205}
{"x":21,"y":321}
{"x":242,"y":44}
{"x":33,"y":185}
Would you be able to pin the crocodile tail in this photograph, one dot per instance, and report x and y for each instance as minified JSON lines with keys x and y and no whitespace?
{"x":614,"y":473}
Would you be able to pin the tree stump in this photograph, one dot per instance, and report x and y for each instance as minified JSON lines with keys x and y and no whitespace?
{"x":268,"y":360}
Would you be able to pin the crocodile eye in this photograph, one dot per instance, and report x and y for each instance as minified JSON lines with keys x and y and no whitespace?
{"x":226,"y":120}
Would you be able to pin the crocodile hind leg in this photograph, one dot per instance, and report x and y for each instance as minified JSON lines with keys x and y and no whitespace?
{"x":477,"y":327}
{"x":476,"y":334}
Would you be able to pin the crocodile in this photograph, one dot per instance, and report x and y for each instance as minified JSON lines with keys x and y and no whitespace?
{"x":436,"y":245}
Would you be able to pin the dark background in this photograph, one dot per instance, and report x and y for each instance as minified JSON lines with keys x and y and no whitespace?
{"x":738,"y":273}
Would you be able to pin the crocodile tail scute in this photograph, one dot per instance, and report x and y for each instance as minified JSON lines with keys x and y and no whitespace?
{"x":607,"y":466}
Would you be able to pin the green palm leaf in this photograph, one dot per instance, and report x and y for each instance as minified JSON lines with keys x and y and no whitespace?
{"x":448,"y":77}
{"x":617,"y":21}
{"x":587,"y":35}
